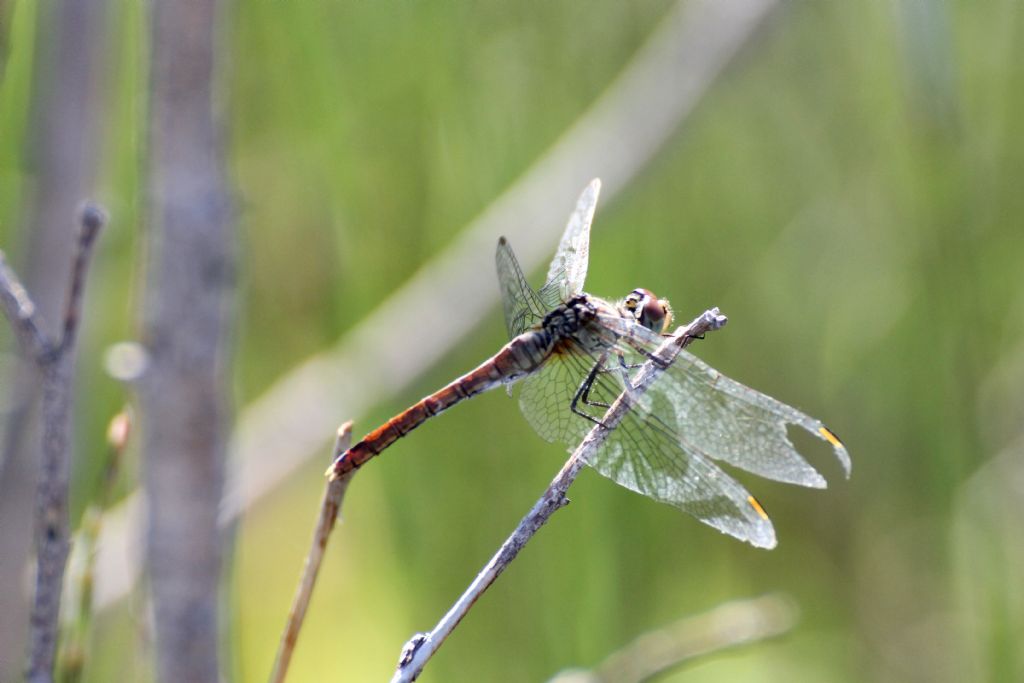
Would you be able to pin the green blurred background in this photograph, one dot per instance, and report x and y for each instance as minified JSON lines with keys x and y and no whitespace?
{"x":848,"y":192}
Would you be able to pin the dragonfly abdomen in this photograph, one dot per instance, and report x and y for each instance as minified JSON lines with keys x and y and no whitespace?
{"x":516,"y":359}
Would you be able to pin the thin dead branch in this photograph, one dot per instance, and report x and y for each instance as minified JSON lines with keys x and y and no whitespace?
{"x":330,"y":504}
{"x":54,"y":359}
{"x":62,"y":153}
{"x":22,"y":313}
{"x":422,"y":646}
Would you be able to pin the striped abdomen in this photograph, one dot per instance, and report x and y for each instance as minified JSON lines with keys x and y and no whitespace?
{"x":519,"y":357}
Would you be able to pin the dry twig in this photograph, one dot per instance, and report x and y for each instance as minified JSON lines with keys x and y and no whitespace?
{"x":21,"y":312}
{"x":422,"y":646}
{"x":334,"y":491}
{"x":62,"y":148}
{"x":54,"y":359}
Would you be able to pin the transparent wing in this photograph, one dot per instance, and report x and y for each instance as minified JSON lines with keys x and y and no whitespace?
{"x":730,"y":422}
{"x":642,"y":453}
{"x":645,"y":455}
{"x":733,"y":423}
{"x":545,"y":396}
{"x":568,"y":269}
{"x":522,"y":306}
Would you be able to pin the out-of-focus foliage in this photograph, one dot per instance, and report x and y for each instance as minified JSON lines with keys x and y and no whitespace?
{"x":848,"y":193}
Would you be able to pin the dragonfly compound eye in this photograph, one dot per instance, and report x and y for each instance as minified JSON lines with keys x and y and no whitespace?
{"x":652,"y":314}
{"x":666,"y":314}
{"x":647,"y":309}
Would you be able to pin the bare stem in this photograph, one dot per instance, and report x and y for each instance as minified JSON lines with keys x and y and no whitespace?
{"x":55,"y":361}
{"x":421,"y":647}
{"x":329,"y":507}
{"x":92,"y":219}
{"x":22,"y":313}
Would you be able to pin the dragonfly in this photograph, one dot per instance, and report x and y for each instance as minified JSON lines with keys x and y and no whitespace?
{"x":572,"y":354}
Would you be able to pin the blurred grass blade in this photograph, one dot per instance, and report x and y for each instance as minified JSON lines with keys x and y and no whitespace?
{"x":76,"y":618}
{"x":728,"y":626}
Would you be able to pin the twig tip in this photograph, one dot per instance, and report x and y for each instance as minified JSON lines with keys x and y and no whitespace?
{"x":342,"y":442}
{"x":92,"y":217}
{"x":345,"y":429}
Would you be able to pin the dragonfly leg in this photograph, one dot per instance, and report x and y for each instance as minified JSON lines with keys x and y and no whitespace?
{"x":689,"y":336}
{"x":623,"y":365}
{"x":660,"y":362}
{"x":583,"y":394}
{"x":624,"y":369}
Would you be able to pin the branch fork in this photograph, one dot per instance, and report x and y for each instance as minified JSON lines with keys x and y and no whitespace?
{"x":54,"y":358}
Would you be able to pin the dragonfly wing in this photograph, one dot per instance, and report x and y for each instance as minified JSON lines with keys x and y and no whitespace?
{"x":733,"y":423}
{"x":641,"y":453}
{"x":522,"y":306}
{"x":569,"y":267}
{"x":545,"y":396}
{"x":646,"y":458}
{"x":727,"y":421}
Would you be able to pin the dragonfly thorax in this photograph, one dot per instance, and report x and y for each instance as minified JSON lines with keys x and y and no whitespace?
{"x":644,"y":307}
{"x":569,"y":318}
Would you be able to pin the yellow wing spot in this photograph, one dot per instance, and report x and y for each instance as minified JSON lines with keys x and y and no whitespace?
{"x":757,"y":507}
{"x":830,"y":437}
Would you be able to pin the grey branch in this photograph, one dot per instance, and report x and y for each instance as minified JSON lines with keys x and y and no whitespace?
{"x":185,"y":396}
{"x":422,"y":646}
{"x":92,"y":219}
{"x":22,"y":313}
{"x":55,"y":361}
{"x":63,"y":145}
{"x":334,"y":492}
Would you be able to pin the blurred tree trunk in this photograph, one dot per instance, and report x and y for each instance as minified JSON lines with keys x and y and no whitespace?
{"x":187,"y":317}
{"x":61,"y":155}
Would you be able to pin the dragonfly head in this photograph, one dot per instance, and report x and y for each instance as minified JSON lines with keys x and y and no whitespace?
{"x":643,"y":306}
